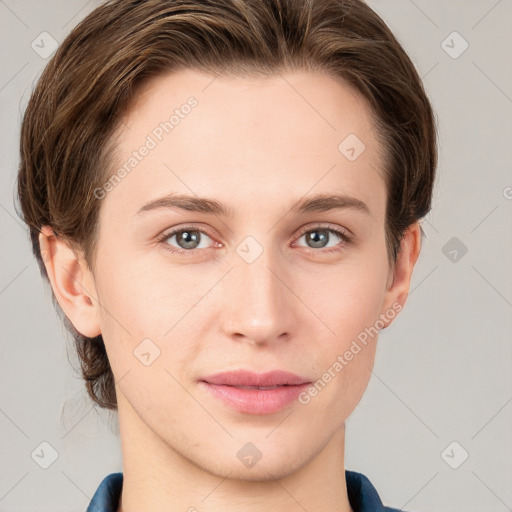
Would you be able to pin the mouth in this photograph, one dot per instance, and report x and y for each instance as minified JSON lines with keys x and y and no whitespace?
{"x":255,"y":393}
{"x":246,"y":378}
{"x":258,"y":387}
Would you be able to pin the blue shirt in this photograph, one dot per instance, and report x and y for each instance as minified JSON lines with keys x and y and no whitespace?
{"x":362,"y":495}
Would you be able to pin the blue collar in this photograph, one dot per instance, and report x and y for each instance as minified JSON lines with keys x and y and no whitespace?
{"x":362,"y":494}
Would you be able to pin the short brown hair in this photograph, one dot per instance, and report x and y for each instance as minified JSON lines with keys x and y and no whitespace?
{"x":91,"y":81}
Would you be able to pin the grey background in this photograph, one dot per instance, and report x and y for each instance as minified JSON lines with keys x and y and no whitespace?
{"x":442,"y":371}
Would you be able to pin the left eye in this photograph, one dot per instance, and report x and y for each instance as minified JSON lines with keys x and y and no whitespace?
{"x":319,"y":237}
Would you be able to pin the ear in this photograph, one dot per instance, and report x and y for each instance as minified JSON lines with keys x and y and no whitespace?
{"x":400,"y":277}
{"x":72,"y":283}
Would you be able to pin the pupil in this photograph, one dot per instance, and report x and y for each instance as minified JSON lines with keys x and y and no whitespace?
{"x":316,"y":239}
{"x":183,"y":236}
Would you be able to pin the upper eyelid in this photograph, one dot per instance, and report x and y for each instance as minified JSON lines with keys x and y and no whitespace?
{"x":173,"y":231}
{"x":328,"y":227}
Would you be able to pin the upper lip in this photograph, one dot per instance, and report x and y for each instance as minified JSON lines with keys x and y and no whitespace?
{"x":249,"y":378}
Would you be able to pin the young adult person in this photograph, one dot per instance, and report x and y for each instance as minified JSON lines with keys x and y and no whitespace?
{"x":225,"y":197}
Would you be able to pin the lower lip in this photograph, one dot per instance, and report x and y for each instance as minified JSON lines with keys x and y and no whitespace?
{"x":256,"y":401}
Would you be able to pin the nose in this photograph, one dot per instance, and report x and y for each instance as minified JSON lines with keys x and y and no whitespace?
{"x":257,"y":305}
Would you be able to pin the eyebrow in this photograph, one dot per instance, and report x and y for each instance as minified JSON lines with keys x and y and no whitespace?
{"x":316,"y":203}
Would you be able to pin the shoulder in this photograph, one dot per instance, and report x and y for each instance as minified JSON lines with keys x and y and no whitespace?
{"x":363,"y":496}
{"x":107,"y":495}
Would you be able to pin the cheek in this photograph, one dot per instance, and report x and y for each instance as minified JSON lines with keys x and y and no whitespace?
{"x":139,"y":298}
{"x":141,"y":302}
{"x":348,"y":298}
{"x":344,"y":357}
{"x":130,"y":313}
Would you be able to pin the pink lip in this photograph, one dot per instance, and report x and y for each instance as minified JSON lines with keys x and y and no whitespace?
{"x":226,"y":386}
{"x":248,"y":378}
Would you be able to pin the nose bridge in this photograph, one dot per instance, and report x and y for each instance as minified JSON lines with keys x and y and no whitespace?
{"x":257,"y":302}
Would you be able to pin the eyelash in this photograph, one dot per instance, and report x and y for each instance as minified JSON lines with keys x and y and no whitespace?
{"x":344,"y":235}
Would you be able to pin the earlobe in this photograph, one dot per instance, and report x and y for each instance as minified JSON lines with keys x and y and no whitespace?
{"x":72,"y":283}
{"x":398,"y":290}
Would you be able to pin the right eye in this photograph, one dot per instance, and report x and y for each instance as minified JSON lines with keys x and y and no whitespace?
{"x":188,"y":239}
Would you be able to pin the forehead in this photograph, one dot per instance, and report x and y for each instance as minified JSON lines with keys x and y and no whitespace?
{"x":246,"y":139}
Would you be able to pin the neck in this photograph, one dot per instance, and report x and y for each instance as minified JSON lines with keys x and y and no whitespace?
{"x":157,"y":477}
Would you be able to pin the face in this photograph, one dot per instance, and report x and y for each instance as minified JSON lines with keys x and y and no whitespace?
{"x":279,"y":278}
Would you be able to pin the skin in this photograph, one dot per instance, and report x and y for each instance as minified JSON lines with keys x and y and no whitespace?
{"x":266,"y":143}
